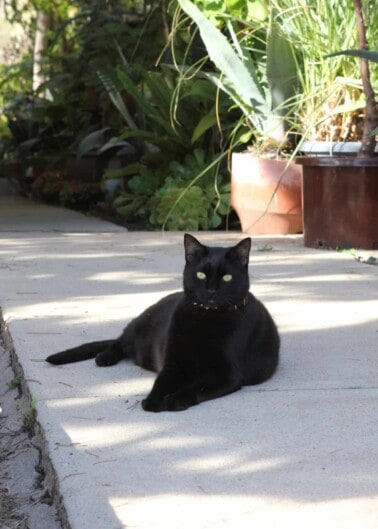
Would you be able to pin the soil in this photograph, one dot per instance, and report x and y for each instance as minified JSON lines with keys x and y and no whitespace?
{"x":25,"y":499}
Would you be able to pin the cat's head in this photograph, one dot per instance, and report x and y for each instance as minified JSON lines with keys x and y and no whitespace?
{"x":216,"y":277}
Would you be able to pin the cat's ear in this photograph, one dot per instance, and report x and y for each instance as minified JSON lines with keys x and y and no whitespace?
{"x":193,"y":248}
{"x":240,"y":252}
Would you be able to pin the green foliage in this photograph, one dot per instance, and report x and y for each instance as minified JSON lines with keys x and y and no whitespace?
{"x":83,"y":39}
{"x":176,"y":185}
{"x":218,"y":10}
{"x":362,"y":54}
{"x":29,"y":413}
{"x":330,"y":93}
{"x":179,"y":207}
{"x":265,"y":248}
{"x":240,"y":82}
{"x":266,"y":100}
{"x":187,"y":202}
{"x":14,"y":383}
{"x":133,"y":204}
{"x":109,"y":67}
{"x":190,"y":208}
{"x":101,"y":76}
{"x":187,"y":196}
{"x":318,"y":99}
{"x":174,"y":113}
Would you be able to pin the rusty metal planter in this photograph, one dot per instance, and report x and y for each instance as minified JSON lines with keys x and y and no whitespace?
{"x":340,"y":202}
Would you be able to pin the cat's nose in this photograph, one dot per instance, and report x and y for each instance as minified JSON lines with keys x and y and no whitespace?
{"x":211,"y":291}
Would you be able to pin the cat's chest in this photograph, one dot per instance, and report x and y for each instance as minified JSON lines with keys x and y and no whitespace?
{"x":200,"y":327}
{"x":203,"y":339}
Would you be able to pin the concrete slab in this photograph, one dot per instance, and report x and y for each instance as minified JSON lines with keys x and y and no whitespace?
{"x":298,"y":451}
{"x":24,"y":215}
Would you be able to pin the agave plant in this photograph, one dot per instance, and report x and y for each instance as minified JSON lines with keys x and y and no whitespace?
{"x":266,"y":103}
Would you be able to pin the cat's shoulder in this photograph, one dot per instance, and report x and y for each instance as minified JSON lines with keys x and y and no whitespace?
{"x":170,"y":300}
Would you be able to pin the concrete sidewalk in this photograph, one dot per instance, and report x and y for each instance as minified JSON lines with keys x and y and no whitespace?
{"x":300,"y":451}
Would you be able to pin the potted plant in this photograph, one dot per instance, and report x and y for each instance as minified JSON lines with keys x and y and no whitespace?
{"x":265,"y":188}
{"x":340,"y":193}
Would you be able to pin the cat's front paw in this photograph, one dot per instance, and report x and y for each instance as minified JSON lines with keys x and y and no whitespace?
{"x":149,"y":404}
{"x":169,"y":403}
{"x":180,"y":401}
{"x":172,"y":402}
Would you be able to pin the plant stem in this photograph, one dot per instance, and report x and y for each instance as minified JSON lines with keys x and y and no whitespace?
{"x":371,"y":114}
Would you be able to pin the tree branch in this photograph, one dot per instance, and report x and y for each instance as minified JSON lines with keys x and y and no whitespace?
{"x":371,"y":115}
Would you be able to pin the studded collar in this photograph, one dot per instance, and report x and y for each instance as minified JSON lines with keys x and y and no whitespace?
{"x":242,"y":303}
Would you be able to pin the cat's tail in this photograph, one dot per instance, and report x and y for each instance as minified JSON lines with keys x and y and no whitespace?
{"x":80,"y":353}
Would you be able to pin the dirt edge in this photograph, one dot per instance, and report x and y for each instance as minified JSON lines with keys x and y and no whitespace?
{"x":51,"y":478}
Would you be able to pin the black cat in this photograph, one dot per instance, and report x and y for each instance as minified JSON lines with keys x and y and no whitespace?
{"x":205,"y":342}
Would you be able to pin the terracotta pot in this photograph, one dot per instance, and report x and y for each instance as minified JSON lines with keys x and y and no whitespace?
{"x":253,"y":184}
{"x":340,"y":202}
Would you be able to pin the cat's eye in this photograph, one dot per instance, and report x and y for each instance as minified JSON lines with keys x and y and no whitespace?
{"x":201,"y":275}
{"x":227,"y":278}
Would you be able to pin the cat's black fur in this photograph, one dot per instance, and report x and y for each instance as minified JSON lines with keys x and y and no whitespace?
{"x":207,"y":341}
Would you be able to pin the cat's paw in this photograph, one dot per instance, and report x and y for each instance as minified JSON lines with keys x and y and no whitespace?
{"x":149,"y":404}
{"x":172,"y":402}
{"x":168,"y":403}
{"x":180,"y":401}
{"x":105,"y":360}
